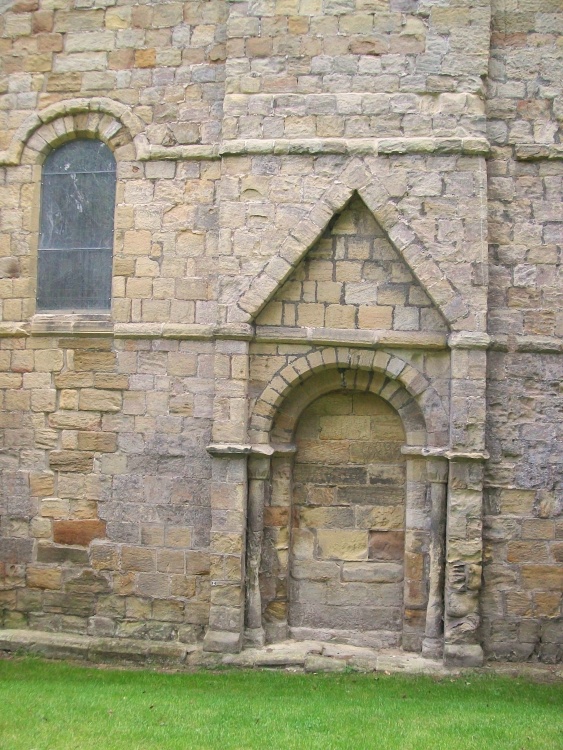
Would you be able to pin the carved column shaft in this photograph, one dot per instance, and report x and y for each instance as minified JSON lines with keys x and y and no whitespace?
{"x":259,"y":468}
{"x":437,"y":472}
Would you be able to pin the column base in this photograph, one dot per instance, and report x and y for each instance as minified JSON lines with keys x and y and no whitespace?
{"x":254,"y":637}
{"x":433,"y":648}
{"x":463,"y":655}
{"x":222,"y":641}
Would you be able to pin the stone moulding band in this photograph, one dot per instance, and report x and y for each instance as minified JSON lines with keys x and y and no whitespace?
{"x":45,"y":325}
{"x":313,"y":146}
{"x":443,"y":452}
{"x":283,"y":146}
{"x":538,"y":151}
{"x":367,"y":338}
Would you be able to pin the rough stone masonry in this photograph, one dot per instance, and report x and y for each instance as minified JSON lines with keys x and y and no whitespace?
{"x":326,"y":402}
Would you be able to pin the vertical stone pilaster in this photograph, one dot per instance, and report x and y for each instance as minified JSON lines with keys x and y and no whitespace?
{"x":228,"y":521}
{"x":259,"y":468}
{"x":228,"y":497}
{"x":416,"y":545}
{"x":437,"y":477}
{"x":465,"y":500}
{"x":463,"y":561}
{"x":230,"y":405}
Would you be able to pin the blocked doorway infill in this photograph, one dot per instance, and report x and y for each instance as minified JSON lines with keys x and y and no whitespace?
{"x":346,"y":566}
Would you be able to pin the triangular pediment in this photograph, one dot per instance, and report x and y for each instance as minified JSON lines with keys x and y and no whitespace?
{"x":352,"y":278}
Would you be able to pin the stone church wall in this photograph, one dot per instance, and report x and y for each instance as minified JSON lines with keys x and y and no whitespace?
{"x":523,"y":506}
{"x":318,"y":202}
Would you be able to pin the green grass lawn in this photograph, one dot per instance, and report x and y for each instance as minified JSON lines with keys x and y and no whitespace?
{"x":55,"y":706}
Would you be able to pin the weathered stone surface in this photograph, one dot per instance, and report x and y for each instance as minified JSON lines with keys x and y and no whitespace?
{"x":386,"y":545}
{"x":392,"y":226}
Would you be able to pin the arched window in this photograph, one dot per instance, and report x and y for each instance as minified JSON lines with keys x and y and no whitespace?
{"x":76,"y":229}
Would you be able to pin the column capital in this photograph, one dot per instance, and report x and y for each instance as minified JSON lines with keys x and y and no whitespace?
{"x":246,"y":449}
{"x":469,"y":340}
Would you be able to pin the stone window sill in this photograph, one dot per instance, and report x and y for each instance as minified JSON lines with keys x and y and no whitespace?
{"x":79,"y":323}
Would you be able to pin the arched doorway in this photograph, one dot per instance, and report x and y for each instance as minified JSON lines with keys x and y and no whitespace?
{"x":346,"y":509}
{"x":346,"y":561}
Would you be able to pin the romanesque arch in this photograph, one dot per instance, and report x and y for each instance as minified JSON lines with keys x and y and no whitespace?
{"x":397,"y":582}
{"x":98,"y":117}
{"x":405,"y":387}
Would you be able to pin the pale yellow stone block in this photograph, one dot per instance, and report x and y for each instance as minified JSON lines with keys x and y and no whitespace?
{"x":40,"y":528}
{"x":340,"y":316}
{"x":54,"y":507}
{"x":342,"y":544}
{"x":271,"y":315}
{"x":43,"y":578}
{"x":49,"y":360}
{"x":345,"y":427}
{"x":380,"y":517}
{"x":375,"y":317}
{"x":310,"y":314}
{"x":137,"y":242}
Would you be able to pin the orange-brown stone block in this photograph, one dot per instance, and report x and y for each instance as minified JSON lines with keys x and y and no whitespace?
{"x":78,"y":532}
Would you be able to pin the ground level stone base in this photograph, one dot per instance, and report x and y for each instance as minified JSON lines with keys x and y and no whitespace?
{"x":309,"y":656}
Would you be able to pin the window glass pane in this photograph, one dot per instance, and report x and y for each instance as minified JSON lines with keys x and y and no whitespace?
{"x":74,"y":280}
{"x":80,"y":156}
{"x":77,"y":210}
{"x":76,"y":228}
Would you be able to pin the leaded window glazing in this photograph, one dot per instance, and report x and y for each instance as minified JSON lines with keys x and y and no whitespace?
{"x":76,"y":228}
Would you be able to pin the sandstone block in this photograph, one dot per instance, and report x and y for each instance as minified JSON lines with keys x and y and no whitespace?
{"x":386,"y":545}
{"x":519,"y":502}
{"x":41,"y":485}
{"x":342,"y":544}
{"x":327,"y":518}
{"x":168,"y":611}
{"x":109,"y":381}
{"x":315,"y":571}
{"x":55,"y":507}
{"x":542,"y":577}
{"x":372,"y":572}
{"x":170,"y":561}
{"x":538,"y":528}
{"x":197,"y":563}
{"x":380,"y":517}
{"x":80,"y":461}
{"x":93,"y":360}
{"x":138,"y":559}
{"x":43,"y":578}
{"x":183,"y":585}
{"x":104,"y":556}
{"x":179,"y":537}
{"x":145,"y":58}
{"x":88,"y":582}
{"x":100,"y":400}
{"x":74,"y":420}
{"x":80,"y":533}
{"x":103,"y":442}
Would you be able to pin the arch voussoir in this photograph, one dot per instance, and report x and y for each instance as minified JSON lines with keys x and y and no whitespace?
{"x":401,"y":384}
{"x":99,"y":117}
